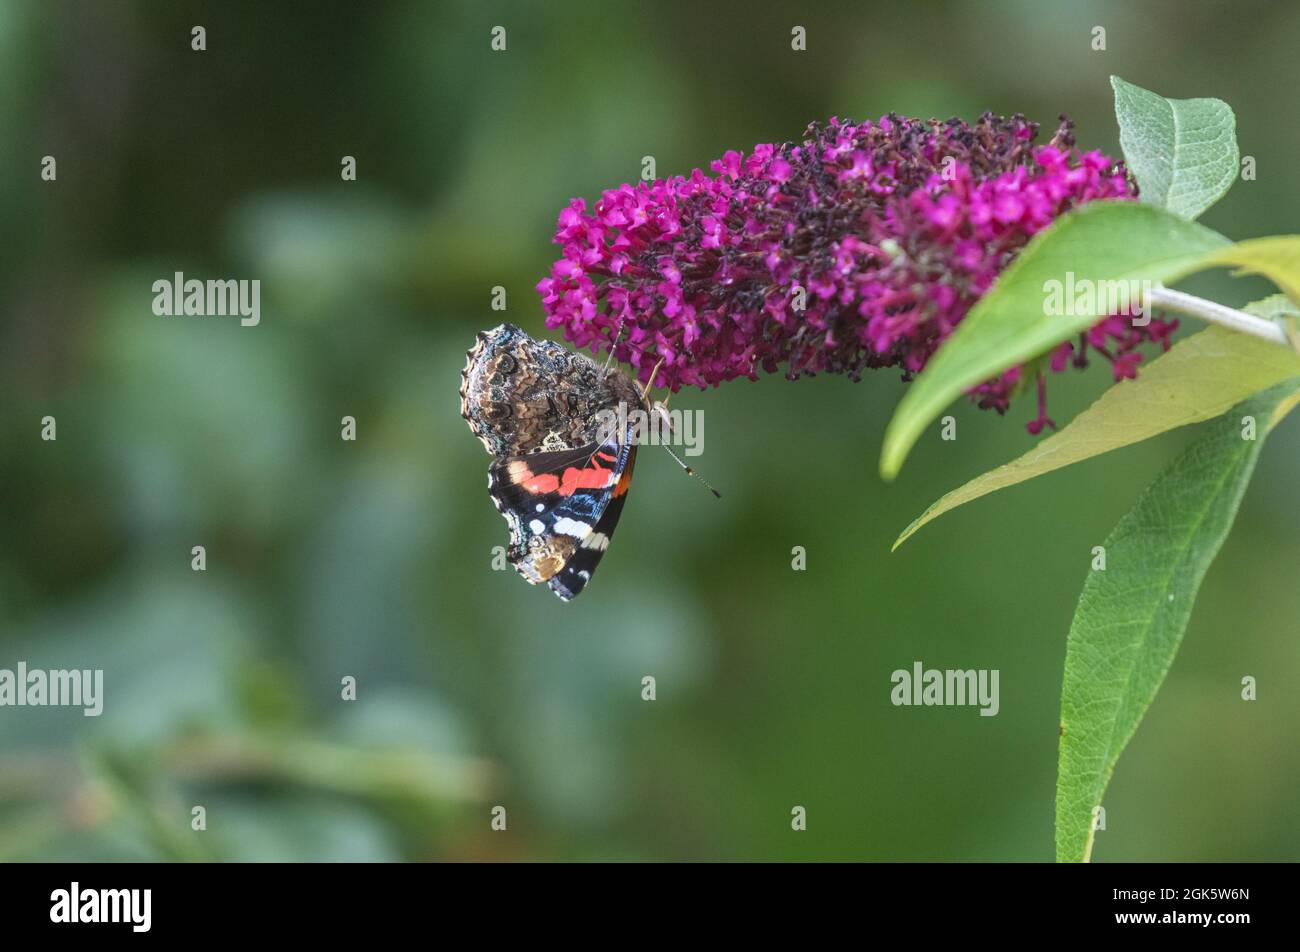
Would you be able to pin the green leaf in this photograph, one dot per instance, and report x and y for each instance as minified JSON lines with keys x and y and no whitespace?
{"x":1183,"y":152}
{"x":1201,"y":377}
{"x":1101,"y":242}
{"x":1275,"y":307}
{"x":1131,"y":615}
{"x":1276,"y":257}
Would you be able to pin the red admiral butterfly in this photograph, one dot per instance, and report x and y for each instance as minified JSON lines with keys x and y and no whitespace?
{"x":562,"y":469}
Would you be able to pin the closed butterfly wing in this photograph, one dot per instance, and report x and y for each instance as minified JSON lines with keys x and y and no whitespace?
{"x":562,"y":508}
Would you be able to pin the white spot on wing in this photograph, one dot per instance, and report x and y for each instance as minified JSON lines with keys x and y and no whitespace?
{"x":572,"y":527}
{"x":597,"y":540}
{"x":537,"y":526}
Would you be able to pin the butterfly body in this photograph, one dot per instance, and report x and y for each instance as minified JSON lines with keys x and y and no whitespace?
{"x":562,"y":467}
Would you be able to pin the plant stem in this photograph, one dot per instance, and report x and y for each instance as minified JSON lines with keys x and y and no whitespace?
{"x":1163,"y":297}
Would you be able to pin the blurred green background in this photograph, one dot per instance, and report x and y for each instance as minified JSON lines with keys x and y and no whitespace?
{"x":372,"y":559}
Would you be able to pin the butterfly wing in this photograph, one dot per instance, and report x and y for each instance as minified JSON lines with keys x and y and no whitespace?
{"x":562,"y":508}
{"x":578,"y":570}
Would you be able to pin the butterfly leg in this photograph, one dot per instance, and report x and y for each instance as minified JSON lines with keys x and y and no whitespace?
{"x":645,"y":391}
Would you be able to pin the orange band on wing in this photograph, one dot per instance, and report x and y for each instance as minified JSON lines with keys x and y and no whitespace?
{"x":521,"y":475}
{"x":593,"y":477}
{"x":624,"y":481}
{"x":575,"y":477}
{"x":548,"y":483}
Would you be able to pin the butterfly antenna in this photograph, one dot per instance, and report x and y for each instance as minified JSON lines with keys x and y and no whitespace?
{"x":604,"y":371}
{"x":661,"y":409}
{"x":690,"y":471}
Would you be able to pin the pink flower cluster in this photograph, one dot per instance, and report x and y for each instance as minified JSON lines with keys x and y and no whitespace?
{"x":862,"y":246}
